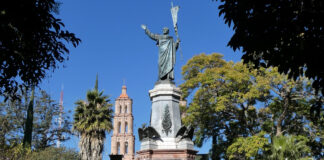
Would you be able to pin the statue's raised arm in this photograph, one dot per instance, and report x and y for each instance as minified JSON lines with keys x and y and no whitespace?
{"x":150,"y":34}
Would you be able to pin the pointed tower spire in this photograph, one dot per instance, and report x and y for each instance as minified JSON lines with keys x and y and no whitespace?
{"x":96,"y":85}
{"x":124,"y":92}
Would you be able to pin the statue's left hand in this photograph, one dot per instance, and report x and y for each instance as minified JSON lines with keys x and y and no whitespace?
{"x":178,"y":40}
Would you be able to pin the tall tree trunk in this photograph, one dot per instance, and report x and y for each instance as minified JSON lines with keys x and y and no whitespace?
{"x":84,"y":144}
{"x":97,"y":144}
{"x":91,"y":146}
{"x":282,"y":117}
{"x":279,"y":127}
{"x":29,"y":122}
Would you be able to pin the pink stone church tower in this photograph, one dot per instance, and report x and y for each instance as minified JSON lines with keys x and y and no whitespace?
{"x":122,"y":140}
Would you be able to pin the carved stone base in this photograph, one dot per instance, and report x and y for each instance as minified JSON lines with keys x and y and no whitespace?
{"x":166,"y":154}
{"x":165,"y":116}
{"x":167,"y":143}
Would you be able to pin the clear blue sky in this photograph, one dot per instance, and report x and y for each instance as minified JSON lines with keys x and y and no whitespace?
{"x":114,"y":46}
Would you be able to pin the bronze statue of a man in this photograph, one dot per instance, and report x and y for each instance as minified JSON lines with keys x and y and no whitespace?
{"x":167,"y":50}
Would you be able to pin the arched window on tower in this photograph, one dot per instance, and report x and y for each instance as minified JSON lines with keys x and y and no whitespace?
{"x":126,"y":127}
{"x":126,"y":109}
{"x":126,"y":147}
{"x":119,"y":127}
{"x":118,"y":148}
{"x":120,"y":109}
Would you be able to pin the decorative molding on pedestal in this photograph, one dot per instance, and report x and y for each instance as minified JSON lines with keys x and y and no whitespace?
{"x":166,"y":154}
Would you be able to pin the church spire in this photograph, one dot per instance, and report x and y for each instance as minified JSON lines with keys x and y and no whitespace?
{"x":124,"y":92}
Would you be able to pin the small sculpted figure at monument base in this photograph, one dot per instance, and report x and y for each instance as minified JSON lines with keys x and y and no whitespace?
{"x":167,"y":50}
{"x":148,"y":133}
{"x":185,"y":133}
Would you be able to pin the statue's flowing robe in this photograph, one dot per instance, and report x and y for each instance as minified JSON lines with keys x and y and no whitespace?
{"x":167,"y":50}
{"x":166,"y":56}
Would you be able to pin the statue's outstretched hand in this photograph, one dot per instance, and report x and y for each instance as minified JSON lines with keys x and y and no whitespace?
{"x":178,"y":40}
{"x":143,"y":26}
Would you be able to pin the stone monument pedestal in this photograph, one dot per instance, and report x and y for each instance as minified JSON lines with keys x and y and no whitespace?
{"x":166,"y":154}
{"x":166,"y":120}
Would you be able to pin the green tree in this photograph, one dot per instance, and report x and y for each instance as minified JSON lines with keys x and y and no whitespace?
{"x":31,"y":43}
{"x":289,"y":147}
{"x":46,"y":127}
{"x":224,"y":95}
{"x":289,"y":104}
{"x":249,"y":147}
{"x":284,"y":34}
{"x":288,"y":111}
{"x":15,"y":152}
{"x":13,"y":115}
{"x":223,"y":107}
{"x":28,"y":134}
{"x":92,"y":118}
{"x":45,"y":130}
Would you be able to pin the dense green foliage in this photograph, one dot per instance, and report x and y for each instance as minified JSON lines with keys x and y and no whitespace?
{"x":32,"y":42}
{"x":223,"y":104}
{"x":292,"y":147}
{"x":241,"y":108}
{"x":19,"y":152}
{"x":45,"y":129}
{"x":246,"y":147}
{"x":92,"y":118}
{"x":52,"y":153}
{"x":287,"y":34}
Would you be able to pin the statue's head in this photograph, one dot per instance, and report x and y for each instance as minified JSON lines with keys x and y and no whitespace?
{"x":165,"y":30}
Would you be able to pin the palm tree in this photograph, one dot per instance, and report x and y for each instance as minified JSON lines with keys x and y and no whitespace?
{"x":289,"y":148}
{"x":92,"y":118}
